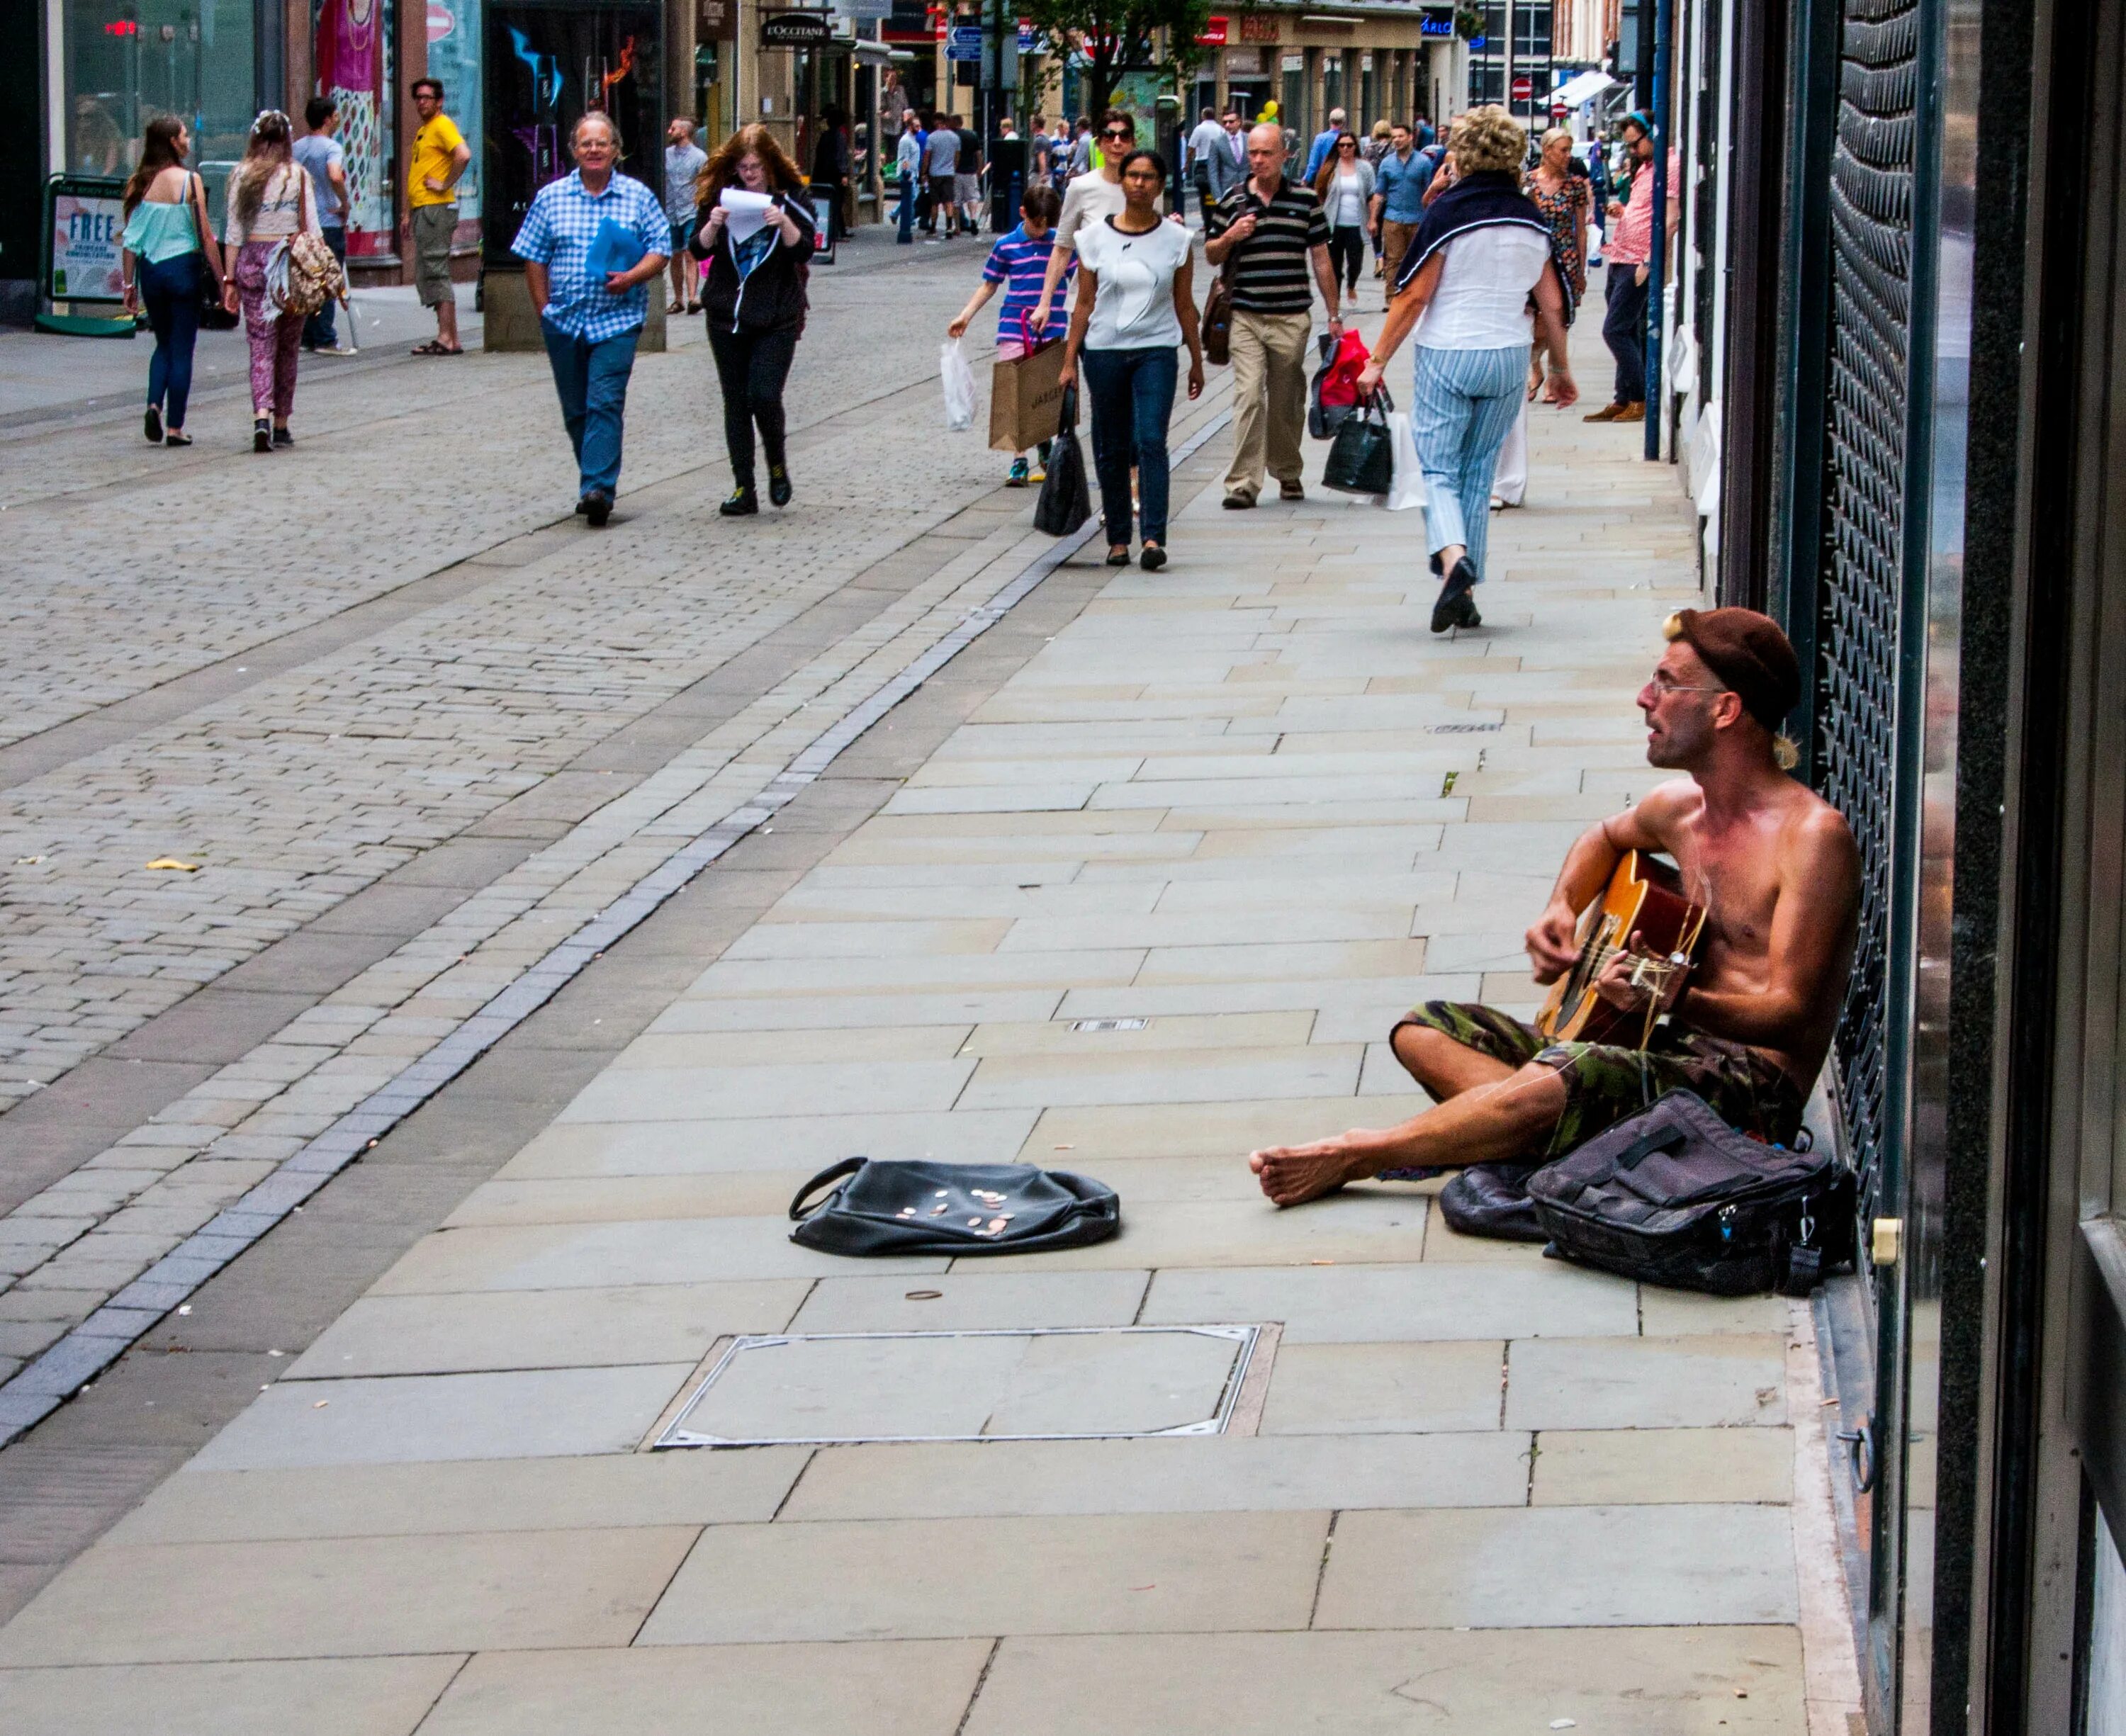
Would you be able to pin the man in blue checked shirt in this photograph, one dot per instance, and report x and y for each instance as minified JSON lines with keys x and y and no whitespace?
{"x":578,"y":240}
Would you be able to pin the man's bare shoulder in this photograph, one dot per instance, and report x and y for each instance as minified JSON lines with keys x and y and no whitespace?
{"x":1817,"y":835}
{"x":1655,"y":821}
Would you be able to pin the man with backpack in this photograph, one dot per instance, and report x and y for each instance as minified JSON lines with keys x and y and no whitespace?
{"x":1747,"y":1029}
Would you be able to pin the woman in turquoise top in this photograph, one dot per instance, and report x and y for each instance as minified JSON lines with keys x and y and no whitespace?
{"x":168,"y":245}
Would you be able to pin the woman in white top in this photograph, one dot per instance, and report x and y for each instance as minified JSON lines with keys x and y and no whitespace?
{"x":1480,"y":263}
{"x":269,"y":200}
{"x":1345,"y":189}
{"x":1135,"y":303}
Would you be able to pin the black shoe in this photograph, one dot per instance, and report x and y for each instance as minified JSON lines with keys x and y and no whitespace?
{"x":778,"y":485}
{"x":261,"y":434}
{"x":282,"y":437}
{"x":1118,"y":556}
{"x":152,"y":426}
{"x":582,"y":506}
{"x":1454,"y":605}
{"x":742,"y":504}
{"x":1152,"y":557}
{"x":597,"y":508}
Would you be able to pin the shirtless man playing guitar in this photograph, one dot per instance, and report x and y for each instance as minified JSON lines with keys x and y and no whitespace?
{"x":1776,"y":869}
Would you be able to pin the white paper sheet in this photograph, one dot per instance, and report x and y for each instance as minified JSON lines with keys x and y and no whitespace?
{"x":744,"y":213}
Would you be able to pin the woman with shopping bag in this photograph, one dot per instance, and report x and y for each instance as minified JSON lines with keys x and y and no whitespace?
{"x":1135,"y":303}
{"x":1481,"y":261}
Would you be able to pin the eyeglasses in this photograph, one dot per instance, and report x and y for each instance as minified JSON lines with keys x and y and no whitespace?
{"x":1116,"y":132}
{"x":1663,"y":686}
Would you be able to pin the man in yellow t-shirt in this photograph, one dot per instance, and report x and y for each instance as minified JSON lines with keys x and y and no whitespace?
{"x":440,"y":157}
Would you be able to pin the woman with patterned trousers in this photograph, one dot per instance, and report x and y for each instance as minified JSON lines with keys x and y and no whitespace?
{"x":269,"y":200}
{"x":1480,"y":262}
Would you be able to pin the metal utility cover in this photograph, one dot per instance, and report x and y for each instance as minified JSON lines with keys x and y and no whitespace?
{"x":1060,"y":1383}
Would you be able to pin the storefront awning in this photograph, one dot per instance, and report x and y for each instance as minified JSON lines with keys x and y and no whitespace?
{"x":1582,"y":88}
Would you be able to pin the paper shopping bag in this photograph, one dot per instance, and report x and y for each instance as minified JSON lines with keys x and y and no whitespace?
{"x":1025,"y":396}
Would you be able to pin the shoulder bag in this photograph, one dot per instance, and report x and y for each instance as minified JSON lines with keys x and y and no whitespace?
{"x":1217,"y":323}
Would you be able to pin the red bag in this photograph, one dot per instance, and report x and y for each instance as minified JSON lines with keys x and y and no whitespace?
{"x":1340,"y":380}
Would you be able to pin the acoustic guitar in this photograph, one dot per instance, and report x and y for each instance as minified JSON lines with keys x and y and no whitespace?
{"x":1645,"y":898}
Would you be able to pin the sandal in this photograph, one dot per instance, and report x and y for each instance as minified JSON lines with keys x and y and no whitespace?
{"x":434,"y":347}
{"x":677,"y":307}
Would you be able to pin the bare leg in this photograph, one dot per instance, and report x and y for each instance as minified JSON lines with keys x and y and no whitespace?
{"x":1448,"y":556}
{"x":447,"y":322}
{"x":1443,"y":1067}
{"x":1481,"y":1125}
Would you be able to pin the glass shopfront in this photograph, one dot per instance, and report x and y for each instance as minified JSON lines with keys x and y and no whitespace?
{"x":454,"y":35}
{"x":129,"y":61}
{"x":353,"y":67}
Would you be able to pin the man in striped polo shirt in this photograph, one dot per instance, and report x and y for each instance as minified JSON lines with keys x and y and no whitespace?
{"x":1268,"y":233}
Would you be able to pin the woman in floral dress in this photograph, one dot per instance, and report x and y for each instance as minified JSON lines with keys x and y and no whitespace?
{"x":1566,"y":201}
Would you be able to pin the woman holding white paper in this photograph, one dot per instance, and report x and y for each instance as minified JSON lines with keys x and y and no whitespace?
{"x":756,"y":231}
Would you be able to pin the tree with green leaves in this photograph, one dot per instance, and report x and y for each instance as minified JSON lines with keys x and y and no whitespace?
{"x":1113,"y":37}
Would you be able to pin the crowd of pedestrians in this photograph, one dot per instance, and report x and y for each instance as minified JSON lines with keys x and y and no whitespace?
{"x":1484,"y":254}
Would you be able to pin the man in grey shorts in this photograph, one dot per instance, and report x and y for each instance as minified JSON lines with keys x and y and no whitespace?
{"x":440,"y":157}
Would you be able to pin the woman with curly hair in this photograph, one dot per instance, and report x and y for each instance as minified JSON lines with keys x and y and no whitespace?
{"x":269,"y":200}
{"x":1480,"y":259}
{"x":758,"y":262}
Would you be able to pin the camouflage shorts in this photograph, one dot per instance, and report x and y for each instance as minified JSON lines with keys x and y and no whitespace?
{"x":1605,"y":1082}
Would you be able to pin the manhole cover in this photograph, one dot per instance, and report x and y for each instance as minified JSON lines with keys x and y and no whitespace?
{"x":1067,"y":1383}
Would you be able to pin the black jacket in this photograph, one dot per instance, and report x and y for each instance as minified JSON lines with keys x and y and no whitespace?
{"x":772,"y":299}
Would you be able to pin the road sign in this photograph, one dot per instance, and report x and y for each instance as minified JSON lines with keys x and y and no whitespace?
{"x":964,"y":51}
{"x":1523,"y":87}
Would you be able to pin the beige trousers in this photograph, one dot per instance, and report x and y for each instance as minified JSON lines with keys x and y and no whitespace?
{"x":1396,"y":238}
{"x":1269,"y":397}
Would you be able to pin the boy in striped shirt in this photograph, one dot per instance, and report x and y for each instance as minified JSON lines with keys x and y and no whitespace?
{"x":1019,"y":261}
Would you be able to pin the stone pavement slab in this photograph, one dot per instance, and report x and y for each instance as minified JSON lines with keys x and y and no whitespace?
{"x":1615,"y":1467}
{"x":1558,"y":1567}
{"x":326,"y":1696}
{"x":348,"y":1597}
{"x":619,"y":1491}
{"x":1163,"y":1572}
{"x":910,"y":1687}
{"x":530,"y":1413}
{"x":1230,"y":1475}
{"x":1646,"y":1681}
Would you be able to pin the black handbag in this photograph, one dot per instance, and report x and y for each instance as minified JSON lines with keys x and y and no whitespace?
{"x":213,"y":315}
{"x":915,"y":1207}
{"x":1214,"y":330}
{"x":1674,"y":1196}
{"x":1362,"y":459}
{"x":1066,"y":499}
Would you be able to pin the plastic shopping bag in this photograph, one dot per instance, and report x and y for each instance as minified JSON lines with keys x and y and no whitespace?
{"x":1407,"y":490}
{"x":959,"y":387}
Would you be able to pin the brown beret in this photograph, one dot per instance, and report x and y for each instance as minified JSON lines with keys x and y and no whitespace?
{"x":1748,"y":653}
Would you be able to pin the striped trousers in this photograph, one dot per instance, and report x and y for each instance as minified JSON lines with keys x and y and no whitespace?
{"x":1464,"y":407}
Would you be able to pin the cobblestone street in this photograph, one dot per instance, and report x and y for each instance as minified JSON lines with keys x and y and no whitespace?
{"x":375,"y":1194}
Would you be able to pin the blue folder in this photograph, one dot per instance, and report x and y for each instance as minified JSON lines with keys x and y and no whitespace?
{"x":614,"y":248}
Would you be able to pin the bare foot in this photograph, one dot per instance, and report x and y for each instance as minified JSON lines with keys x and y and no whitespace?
{"x":1291,"y":1175}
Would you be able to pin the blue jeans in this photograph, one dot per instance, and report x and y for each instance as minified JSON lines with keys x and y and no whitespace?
{"x":1132,"y":394}
{"x":319,"y":331}
{"x":592,"y":380}
{"x":907,"y":236}
{"x":170,"y":292}
{"x":1464,"y":407}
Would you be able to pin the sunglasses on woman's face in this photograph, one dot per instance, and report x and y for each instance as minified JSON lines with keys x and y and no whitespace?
{"x":1116,"y":132}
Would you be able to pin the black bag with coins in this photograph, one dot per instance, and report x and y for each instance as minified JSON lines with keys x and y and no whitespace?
{"x":917,"y":1207}
{"x":1675,"y":1195}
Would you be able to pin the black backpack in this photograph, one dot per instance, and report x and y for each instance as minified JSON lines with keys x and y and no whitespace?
{"x":916,"y":1207}
{"x":1675,"y":1196}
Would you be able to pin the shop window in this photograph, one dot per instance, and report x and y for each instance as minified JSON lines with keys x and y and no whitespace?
{"x":129,"y":61}
{"x":353,"y":61}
